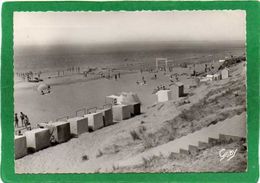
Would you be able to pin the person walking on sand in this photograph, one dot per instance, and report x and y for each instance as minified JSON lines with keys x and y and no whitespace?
{"x":16,"y":120}
{"x":22,"y":118}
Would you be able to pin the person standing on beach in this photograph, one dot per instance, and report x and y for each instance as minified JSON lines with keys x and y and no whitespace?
{"x":206,"y":67}
{"x":27,"y":123}
{"x":16,"y":120}
{"x":22,"y":118}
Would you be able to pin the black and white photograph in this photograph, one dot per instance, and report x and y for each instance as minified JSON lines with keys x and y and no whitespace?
{"x":129,"y":91}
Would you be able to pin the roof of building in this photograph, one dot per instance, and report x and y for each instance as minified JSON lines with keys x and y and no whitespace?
{"x":161,"y":91}
{"x":225,"y":69}
{"x":113,"y":96}
{"x":178,"y":84}
{"x":209,"y":76}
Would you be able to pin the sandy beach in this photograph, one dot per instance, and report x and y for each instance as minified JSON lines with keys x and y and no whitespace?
{"x":83,"y":91}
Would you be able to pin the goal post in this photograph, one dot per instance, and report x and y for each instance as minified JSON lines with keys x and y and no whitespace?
{"x":158,"y":60}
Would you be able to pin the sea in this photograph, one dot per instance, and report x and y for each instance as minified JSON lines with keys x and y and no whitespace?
{"x":49,"y":58}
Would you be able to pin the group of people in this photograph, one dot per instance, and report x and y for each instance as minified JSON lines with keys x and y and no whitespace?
{"x":28,"y":75}
{"x":68,"y":70}
{"x":117,"y":76}
{"x":161,"y":87}
{"x":208,"y":68}
{"x":143,"y":81}
{"x":24,"y":120}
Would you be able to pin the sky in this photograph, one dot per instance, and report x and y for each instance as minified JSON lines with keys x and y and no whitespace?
{"x":95,"y":28}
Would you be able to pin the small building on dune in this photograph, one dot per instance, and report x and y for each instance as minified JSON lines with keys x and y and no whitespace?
{"x":121,"y":112}
{"x":225,"y":73}
{"x":128,"y":99}
{"x":177,"y":89}
{"x":164,"y":95}
{"x":131,"y":99}
{"x":113,"y":99}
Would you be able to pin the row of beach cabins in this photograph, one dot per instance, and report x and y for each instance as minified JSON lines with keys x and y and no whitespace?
{"x":176,"y":90}
{"x":117,"y":108}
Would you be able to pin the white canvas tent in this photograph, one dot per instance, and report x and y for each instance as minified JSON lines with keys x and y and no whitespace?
{"x":129,"y":97}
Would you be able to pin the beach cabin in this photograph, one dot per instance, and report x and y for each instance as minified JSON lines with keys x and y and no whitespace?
{"x":95,"y":120}
{"x":121,"y":112}
{"x":78,"y":125}
{"x":60,"y":131}
{"x":177,"y":89}
{"x":135,"y":108}
{"x":20,"y":146}
{"x":37,"y":139}
{"x":107,"y":115}
{"x":225,"y":73}
{"x":131,"y":99}
{"x":113,"y":99}
{"x":164,"y":95}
